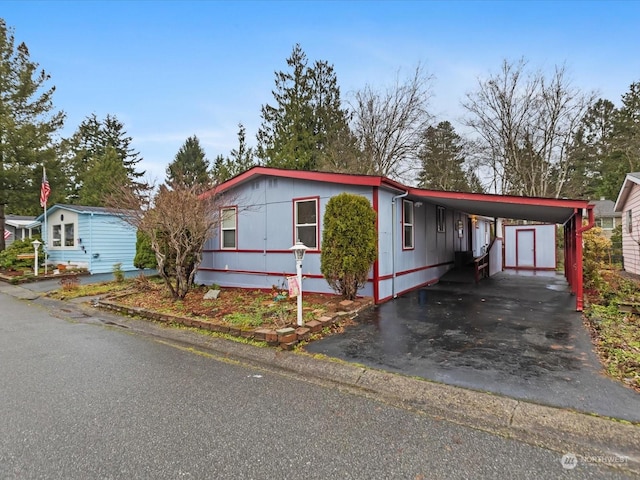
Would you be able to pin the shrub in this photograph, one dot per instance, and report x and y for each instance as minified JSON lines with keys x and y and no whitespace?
{"x":145,"y":256}
{"x":118,"y":273}
{"x":9,"y":257}
{"x":349,"y":245}
{"x":596,"y":246}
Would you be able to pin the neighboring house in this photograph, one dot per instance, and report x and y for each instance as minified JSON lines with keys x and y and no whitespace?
{"x":606,"y":216}
{"x":628,"y":205}
{"x":20,"y":227}
{"x":265,"y":211}
{"x":88,"y":237}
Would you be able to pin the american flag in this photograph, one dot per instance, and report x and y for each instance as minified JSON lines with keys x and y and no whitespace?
{"x":7,"y":233}
{"x":45,"y":189}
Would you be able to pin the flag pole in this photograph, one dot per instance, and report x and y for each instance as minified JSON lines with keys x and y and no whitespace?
{"x":45,"y":237}
{"x":45,"y":234}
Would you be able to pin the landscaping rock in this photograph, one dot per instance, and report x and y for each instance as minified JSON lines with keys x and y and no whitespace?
{"x":211,"y":295}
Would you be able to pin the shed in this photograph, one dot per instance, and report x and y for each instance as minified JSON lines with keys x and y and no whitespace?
{"x":530,"y":247}
{"x":89,"y":237}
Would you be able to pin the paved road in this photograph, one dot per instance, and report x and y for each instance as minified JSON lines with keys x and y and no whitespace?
{"x":83,"y":401}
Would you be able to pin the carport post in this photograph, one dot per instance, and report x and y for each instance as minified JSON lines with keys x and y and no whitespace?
{"x":580,"y":228}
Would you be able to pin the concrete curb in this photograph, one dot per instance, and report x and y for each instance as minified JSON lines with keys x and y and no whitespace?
{"x":587,"y":436}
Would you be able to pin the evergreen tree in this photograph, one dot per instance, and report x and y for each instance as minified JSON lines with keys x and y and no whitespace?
{"x":240,"y":160}
{"x":625,"y":155}
{"x":28,"y":122}
{"x":189,"y":167}
{"x":220,"y":170}
{"x":590,"y":152}
{"x":91,"y":140}
{"x":442,"y":158}
{"x":302,"y":129}
{"x":104,"y":173}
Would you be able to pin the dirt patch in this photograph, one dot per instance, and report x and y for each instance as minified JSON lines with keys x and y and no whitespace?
{"x":241,"y":307}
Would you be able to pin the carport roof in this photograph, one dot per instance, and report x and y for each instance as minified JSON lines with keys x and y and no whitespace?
{"x":548,"y":210}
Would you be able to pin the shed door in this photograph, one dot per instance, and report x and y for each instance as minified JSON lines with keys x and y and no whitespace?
{"x":525,"y":248}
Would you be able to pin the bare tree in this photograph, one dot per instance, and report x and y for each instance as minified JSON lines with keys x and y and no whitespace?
{"x":526,"y":121}
{"x":177,"y":221}
{"x":388,"y":125}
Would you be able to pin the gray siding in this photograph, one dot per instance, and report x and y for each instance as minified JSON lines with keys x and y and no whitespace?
{"x":265,"y":232}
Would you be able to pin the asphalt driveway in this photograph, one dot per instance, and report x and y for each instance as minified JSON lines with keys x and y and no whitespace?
{"x":516,"y":335}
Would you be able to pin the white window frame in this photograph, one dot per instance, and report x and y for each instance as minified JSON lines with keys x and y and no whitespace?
{"x":234,"y":228}
{"x":297,"y":225}
{"x":408,"y":241}
{"x":56,"y":242}
{"x":441,"y":217}
{"x":60,"y":242}
{"x":73,"y":235}
{"x":629,"y":221}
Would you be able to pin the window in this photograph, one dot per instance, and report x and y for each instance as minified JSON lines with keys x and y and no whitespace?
{"x":605,"y":223}
{"x":407,"y":224}
{"x":68,"y":235}
{"x":629,"y":222}
{"x":229,"y":228}
{"x":56,"y":240}
{"x":440,"y":216}
{"x":306,"y":222}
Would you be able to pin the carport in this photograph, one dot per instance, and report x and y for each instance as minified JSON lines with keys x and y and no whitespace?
{"x":568,"y":213}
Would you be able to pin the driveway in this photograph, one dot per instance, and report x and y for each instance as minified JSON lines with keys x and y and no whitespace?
{"x":516,"y":335}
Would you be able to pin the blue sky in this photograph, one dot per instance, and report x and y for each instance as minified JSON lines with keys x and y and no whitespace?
{"x":169,"y":70}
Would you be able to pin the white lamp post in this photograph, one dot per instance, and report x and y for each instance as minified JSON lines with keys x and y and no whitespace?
{"x":36,"y":244}
{"x":298,"y":252}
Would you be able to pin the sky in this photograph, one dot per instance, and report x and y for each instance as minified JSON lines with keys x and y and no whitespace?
{"x":169,"y":70}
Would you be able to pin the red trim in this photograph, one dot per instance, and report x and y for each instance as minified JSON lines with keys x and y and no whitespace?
{"x":518,"y":231}
{"x":495,"y":198}
{"x":341,"y":178}
{"x":228,"y":207}
{"x":376,"y":265}
{"x":579,"y":231}
{"x":255,"y":272}
{"x":295,"y":220}
{"x":414,"y":270}
{"x":403,"y":223}
{"x":549,"y":269}
{"x":288,"y":252}
{"x":425,"y":284}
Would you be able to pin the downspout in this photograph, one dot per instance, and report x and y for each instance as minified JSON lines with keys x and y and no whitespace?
{"x":393,"y":242}
{"x":579,"y":230}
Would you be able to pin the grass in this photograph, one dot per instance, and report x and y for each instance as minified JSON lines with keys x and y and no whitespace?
{"x":90,"y":290}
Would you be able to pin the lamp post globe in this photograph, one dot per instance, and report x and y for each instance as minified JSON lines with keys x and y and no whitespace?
{"x":299,"y":250}
{"x":36,"y":244}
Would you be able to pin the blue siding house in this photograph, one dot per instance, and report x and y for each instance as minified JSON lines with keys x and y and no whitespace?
{"x":88,"y":237}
